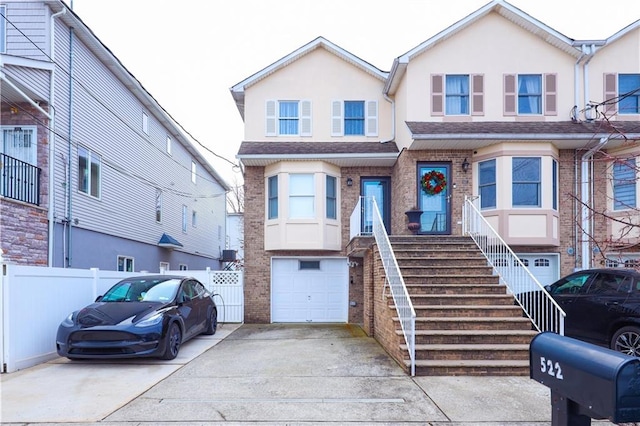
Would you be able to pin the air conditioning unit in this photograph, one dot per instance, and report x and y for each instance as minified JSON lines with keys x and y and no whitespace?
{"x":228,"y":256}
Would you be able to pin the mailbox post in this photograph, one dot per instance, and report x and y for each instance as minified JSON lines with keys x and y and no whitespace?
{"x":586,"y":381}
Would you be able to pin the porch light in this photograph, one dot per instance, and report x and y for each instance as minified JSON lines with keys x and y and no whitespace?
{"x":349,"y":182}
{"x":465,"y":165}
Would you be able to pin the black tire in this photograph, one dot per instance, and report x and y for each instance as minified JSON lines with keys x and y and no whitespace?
{"x":212,"y":322}
{"x":172,"y":342}
{"x":627,"y":341}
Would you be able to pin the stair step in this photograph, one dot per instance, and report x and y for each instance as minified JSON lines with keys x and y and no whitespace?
{"x":446,"y":279}
{"x":473,"y":323}
{"x":470,"y":367}
{"x":472,"y":351}
{"x":491,"y":311}
{"x":455,"y":336}
{"x":462,"y":299}
{"x":417,"y":289}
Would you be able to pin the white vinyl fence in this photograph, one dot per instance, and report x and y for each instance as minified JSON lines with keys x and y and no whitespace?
{"x":34,"y":300}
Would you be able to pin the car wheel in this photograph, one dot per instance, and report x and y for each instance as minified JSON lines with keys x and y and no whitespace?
{"x":172,"y":342}
{"x":627,"y":341}
{"x":212,"y":322}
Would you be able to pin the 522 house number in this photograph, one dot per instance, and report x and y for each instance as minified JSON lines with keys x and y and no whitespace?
{"x":551,"y":368}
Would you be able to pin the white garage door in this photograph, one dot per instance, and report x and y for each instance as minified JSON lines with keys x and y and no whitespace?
{"x":309,"y":290}
{"x":544,"y":267}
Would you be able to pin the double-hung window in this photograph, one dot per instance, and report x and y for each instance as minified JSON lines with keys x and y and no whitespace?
{"x":487,"y":184}
{"x":184,"y":218}
{"x":530,"y":94}
{"x":89,"y":172}
{"x":301,"y":196}
{"x":332,"y":198}
{"x":457,"y":95}
{"x":158,"y":205}
{"x":288,"y":118}
{"x":125,"y":263}
{"x":525,"y":180}
{"x":354,"y":118}
{"x":629,"y":93}
{"x":272,"y":195}
{"x":624,"y":184}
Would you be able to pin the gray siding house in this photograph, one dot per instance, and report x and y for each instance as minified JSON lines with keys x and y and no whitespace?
{"x":94,"y":172}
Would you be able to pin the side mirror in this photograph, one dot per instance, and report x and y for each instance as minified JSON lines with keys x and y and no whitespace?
{"x":99,"y":298}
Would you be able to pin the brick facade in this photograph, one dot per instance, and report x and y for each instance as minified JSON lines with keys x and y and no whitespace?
{"x":24,"y":231}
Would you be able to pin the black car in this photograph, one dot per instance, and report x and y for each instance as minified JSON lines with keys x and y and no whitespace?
{"x":602,"y":307}
{"x":146,"y":316}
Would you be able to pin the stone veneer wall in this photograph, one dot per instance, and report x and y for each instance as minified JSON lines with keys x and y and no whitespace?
{"x":24,"y":230}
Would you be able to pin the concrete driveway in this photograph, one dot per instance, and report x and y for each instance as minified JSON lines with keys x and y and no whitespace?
{"x":267,"y":374}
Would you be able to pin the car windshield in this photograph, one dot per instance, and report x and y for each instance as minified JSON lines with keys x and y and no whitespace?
{"x":142,"y":290}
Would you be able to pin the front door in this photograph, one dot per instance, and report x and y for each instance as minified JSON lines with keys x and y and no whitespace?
{"x":377,"y":188}
{"x":434,"y":198}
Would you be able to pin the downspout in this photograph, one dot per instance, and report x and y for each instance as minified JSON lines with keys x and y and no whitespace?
{"x":393,"y":118}
{"x":587,"y":106}
{"x":52,"y":135}
{"x":586,"y":201}
{"x":69,"y":191}
{"x":576,"y":102}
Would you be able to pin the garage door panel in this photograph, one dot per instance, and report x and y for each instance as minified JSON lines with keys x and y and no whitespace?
{"x":310,"y":295}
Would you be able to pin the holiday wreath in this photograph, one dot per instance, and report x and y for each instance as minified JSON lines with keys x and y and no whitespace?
{"x":433,"y":182}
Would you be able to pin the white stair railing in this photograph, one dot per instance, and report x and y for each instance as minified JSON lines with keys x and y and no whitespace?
{"x":365,"y":220}
{"x":536,"y":302}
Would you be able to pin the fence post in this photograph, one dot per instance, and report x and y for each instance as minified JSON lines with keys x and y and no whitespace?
{"x":95,"y":272}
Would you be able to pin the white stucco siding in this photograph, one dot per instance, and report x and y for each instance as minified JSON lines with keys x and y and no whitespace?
{"x":322,"y":77}
{"x":484,"y":48}
{"x":622,"y":56}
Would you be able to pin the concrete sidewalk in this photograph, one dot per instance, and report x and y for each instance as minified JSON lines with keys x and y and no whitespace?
{"x":269,"y":374}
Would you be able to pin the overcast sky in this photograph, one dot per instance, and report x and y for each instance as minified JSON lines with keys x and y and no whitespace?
{"x":188,"y":53}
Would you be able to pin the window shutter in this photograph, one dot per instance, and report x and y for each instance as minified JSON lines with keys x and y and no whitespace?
{"x":336,"y":118}
{"x":372,"y":118}
{"x":270,"y":114}
{"x":510,"y":95}
{"x":610,"y":93}
{"x":477,"y":94}
{"x":550,"y":94}
{"x":437,"y":94}
{"x":305,"y":118}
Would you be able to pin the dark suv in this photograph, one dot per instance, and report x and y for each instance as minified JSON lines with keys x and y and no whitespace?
{"x":602,"y":307}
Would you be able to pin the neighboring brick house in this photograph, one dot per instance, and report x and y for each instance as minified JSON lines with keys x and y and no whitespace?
{"x":93,"y":171}
{"x":497,"y":105}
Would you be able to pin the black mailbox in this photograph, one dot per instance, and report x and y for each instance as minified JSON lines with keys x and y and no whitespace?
{"x":586,"y":381}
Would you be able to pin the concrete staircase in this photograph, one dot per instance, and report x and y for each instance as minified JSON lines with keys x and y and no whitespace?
{"x":466,"y":323}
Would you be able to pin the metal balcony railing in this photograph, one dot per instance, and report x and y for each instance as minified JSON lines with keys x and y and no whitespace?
{"x":536,"y":302}
{"x":19,"y":180}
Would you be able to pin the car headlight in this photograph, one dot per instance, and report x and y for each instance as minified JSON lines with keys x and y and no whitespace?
{"x":152,"y":320}
{"x":68,"y":321}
